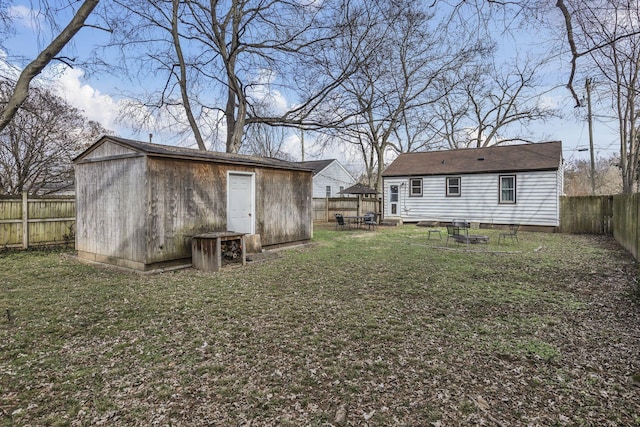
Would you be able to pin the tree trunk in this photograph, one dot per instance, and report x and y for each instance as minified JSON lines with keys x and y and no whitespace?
{"x":183,"y":78}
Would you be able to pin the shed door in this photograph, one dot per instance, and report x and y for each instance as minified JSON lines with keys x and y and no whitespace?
{"x":240,"y":203}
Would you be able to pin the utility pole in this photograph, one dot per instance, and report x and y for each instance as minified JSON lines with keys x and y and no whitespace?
{"x":302,"y":143}
{"x":588,"y":83}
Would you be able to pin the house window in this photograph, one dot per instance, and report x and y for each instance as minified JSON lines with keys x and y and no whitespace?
{"x":415,"y":187}
{"x":453,"y":186}
{"x":507,"y":189}
{"x":341,"y":191}
{"x":328,"y":191}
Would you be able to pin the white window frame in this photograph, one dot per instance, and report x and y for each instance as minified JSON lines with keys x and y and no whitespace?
{"x":327,"y":191}
{"x":513,"y":190}
{"x":450,"y":193}
{"x":413,"y":187}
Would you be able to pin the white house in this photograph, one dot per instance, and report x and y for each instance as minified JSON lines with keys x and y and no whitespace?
{"x":329,"y":178}
{"x":493,"y":185}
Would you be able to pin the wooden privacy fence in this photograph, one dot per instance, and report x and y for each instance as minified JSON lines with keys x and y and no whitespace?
{"x":626,"y":211}
{"x":30,"y":220}
{"x":324,"y":209}
{"x":586,"y":214}
{"x":614,"y":215}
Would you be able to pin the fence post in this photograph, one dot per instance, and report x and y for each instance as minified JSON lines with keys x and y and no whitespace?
{"x":25,"y":220}
{"x":326,"y":208}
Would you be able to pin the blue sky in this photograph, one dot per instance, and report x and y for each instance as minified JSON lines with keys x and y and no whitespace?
{"x":100,"y":95}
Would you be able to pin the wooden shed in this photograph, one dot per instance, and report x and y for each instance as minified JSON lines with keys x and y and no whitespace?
{"x":139,"y":204}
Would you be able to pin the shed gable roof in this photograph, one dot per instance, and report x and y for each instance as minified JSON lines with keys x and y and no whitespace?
{"x":168,"y":151}
{"x":507,"y":158}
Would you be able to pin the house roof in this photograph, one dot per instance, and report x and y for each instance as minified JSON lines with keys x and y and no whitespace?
{"x":168,"y":151}
{"x":507,"y":158}
{"x":317,"y":165}
{"x":358,"y":189}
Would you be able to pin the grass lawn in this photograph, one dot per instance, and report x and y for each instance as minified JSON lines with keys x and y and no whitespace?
{"x":379,"y":328}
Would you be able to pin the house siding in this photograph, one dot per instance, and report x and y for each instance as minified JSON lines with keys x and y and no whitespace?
{"x":537,"y":199}
{"x":334,"y":176}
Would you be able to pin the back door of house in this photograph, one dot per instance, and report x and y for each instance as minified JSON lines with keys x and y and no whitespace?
{"x":240,"y":203}
{"x":394,"y":199}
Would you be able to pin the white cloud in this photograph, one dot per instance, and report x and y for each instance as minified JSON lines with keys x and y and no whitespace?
{"x":68,"y":84}
{"x":25,"y":17}
{"x":551,"y":102}
{"x":262,"y":93}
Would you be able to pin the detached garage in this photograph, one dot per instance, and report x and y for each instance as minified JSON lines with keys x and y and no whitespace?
{"x":139,"y":204}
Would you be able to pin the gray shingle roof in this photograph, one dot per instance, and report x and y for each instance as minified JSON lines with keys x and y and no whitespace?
{"x":195,"y":154}
{"x":316,"y":165}
{"x":507,"y":158}
{"x":358,"y":189}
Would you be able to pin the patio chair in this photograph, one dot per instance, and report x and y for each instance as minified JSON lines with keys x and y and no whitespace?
{"x":340,"y":222}
{"x":512,"y":233}
{"x":453,"y":232}
{"x":370,"y":220}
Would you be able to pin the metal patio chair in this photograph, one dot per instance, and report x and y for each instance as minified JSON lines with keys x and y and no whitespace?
{"x":370,"y":220}
{"x":340,"y":222}
{"x":512,"y":233}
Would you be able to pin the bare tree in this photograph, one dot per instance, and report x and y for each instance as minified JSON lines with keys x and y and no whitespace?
{"x":21,"y":88}
{"x":605,"y":36}
{"x":265,"y":141}
{"x":492,"y":104}
{"x":577,"y":177}
{"x":37,"y":146}
{"x":406,"y":55}
{"x":220,"y":59}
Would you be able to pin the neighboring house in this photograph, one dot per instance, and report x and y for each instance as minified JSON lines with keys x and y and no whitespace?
{"x":329,"y":178}
{"x":494,"y":185}
{"x":139,"y":204}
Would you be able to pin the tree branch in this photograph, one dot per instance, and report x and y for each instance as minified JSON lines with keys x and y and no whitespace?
{"x":21,"y":90}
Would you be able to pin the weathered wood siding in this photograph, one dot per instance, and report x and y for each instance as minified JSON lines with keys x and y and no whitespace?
{"x":536,"y":195}
{"x":184,"y":198}
{"x":283,"y":206}
{"x":141,"y":210}
{"x":334,"y":176}
{"x":187,"y":198}
{"x":111,"y":211}
{"x":109,"y":149}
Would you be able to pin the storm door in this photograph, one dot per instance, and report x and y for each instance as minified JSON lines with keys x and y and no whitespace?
{"x":394,"y":199}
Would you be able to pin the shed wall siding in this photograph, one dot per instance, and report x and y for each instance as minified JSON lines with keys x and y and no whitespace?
{"x":108,"y":149}
{"x":185,"y":198}
{"x":333,"y":175}
{"x":284,"y":206}
{"x":110,"y":208}
{"x":140,"y":211}
{"x":536,"y":194}
{"x":188,"y":198}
